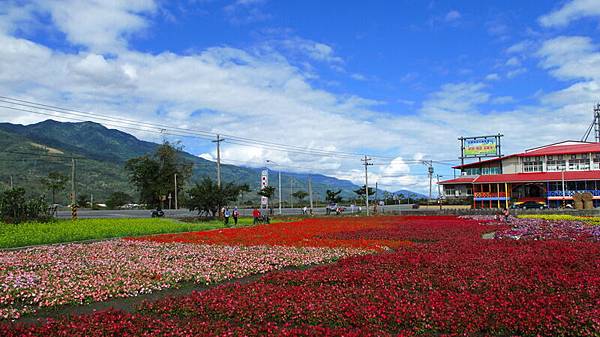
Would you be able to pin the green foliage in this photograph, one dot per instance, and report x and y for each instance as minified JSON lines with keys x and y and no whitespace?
{"x":154,"y":176}
{"x":300,"y":195}
{"x":55,"y":182}
{"x":244,"y":188}
{"x":36,"y":233}
{"x":118,"y":199}
{"x":333,"y":197}
{"x":207,"y":198}
{"x":361,"y":191}
{"x":82,"y":200}
{"x":16,"y":208}
{"x":268,"y":192}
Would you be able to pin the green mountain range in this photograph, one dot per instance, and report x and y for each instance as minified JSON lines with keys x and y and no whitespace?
{"x":29,"y":152}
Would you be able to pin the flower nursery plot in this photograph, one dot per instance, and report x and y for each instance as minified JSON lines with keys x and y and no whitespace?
{"x":449,"y":281}
{"x":82,"y":273}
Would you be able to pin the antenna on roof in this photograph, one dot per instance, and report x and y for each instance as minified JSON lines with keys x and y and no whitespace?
{"x":595,"y":125}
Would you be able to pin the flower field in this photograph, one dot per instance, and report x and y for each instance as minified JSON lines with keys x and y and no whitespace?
{"x":440,"y":278}
{"x":84,"y":273}
{"x":557,"y":217}
{"x":306,"y":233}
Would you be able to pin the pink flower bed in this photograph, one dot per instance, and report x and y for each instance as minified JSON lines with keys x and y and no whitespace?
{"x":83,"y":273}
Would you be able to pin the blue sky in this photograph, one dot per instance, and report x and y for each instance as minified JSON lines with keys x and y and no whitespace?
{"x":400,"y":79}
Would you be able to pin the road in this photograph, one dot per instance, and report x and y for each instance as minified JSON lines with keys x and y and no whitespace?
{"x":142,"y":213}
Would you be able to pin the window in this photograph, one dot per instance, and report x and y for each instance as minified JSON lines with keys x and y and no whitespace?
{"x":596,"y":161}
{"x":555,"y":164}
{"x":473,"y":171}
{"x":579,"y":164}
{"x":532,"y":164}
{"x":491,"y":170}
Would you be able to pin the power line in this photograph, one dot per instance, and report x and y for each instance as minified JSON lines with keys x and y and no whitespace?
{"x":190,"y":132}
{"x":75,"y":114}
{"x":164,"y":131}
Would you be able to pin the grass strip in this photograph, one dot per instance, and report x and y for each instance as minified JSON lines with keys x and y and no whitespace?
{"x":32,"y":233}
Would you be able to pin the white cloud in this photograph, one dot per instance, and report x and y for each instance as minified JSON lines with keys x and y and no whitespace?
{"x":207,"y":156}
{"x":260,"y":94}
{"x":519,"y":47}
{"x":316,"y":51}
{"x":516,"y":72}
{"x":571,"y":11}
{"x":246,"y":11}
{"x":452,"y":15}
{"x":502,"y":100}
{"x":571,"y":57}
{"x":102,"y":26}
{"x":492,"y":77}
{"x":513,"y":62}
{"x":358,"y":77}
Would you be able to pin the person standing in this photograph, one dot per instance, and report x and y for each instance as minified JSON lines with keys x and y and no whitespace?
{"x":506,"y":215}
{"x":236,"y":215}
{"x":226,"y":215}
{"x":255,"y":215}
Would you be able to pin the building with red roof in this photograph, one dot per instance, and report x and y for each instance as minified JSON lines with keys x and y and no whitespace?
{"x":551,"y":174}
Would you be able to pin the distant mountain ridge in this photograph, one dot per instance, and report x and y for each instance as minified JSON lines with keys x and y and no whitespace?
{"x":106,"y":150}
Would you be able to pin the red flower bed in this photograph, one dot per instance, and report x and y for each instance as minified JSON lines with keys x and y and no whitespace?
{"x":454,"y":283}
{"x":305,"y":233}
{"x":370,"y":233}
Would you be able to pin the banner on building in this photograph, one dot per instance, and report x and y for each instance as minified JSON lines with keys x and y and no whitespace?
{"x":482,"y":146}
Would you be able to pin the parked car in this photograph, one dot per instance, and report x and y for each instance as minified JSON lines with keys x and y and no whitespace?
{"x":530,"y":205}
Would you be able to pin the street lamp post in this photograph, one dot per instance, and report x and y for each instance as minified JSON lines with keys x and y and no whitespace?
{"x":279,"y":178}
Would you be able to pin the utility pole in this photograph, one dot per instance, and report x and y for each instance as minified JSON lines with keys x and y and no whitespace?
{"x":175,"y":190}
{"x":91,"y":200}
{"x":310,"y":198}
{"x":366,"y":164}
{"x":439,"y":191}
{"x":73,"y":181}
{"x":218,"y":141}
{"x":430,"y":173}
{"x":11,"y":182}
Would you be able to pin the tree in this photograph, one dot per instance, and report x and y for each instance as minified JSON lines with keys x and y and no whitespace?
{"x":82,"y":200}
{"x":55,"y":182}
{"x":333,"y":197}
{"x":268,"y":192}
{"x":206,"y":196}
{"x":16,"y":208}
{"x":118,"y":199}
{"x":245,"y":188}
{"x":300,"y":195}
{"x":361,"y":192}
{"x":153,"y":176}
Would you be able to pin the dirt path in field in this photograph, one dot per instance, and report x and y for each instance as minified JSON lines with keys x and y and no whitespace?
{"x":130,"y":304}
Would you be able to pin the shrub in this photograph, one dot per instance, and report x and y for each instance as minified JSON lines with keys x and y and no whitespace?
{"x":16,"y":208}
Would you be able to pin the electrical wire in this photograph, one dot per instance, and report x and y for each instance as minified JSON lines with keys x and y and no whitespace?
{"x":170,"y":130}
